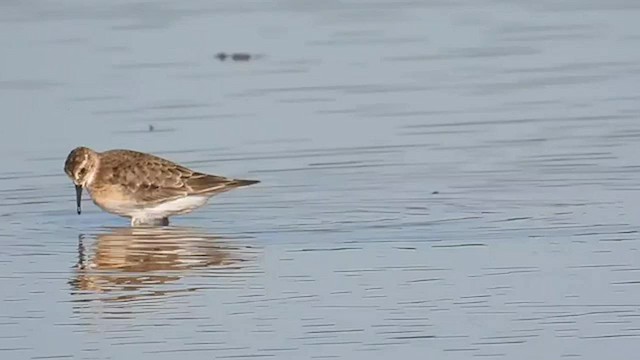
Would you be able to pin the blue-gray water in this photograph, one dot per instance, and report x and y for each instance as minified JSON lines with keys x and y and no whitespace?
{"x":440,"y":179}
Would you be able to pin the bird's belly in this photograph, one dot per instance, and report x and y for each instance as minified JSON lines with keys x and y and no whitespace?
{"x":169,"y":208}
{"x":116,"y":203}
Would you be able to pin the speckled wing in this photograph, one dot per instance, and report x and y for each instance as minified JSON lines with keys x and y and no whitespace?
{"x":150,"y":179}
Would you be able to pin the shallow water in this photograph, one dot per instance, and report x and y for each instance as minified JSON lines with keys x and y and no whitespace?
{"x":454,"y":179}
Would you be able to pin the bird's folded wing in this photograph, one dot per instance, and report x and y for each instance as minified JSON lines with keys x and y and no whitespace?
{"x":199,"y":183}
{"x":152,"y":179}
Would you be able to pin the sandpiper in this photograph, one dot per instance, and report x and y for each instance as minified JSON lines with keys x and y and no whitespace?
{"x":146,"y":188}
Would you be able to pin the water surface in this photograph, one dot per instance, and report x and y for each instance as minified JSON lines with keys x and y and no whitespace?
{"x":446,"y":179}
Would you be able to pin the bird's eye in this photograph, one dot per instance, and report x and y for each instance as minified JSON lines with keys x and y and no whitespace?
{"x":82,"y":171}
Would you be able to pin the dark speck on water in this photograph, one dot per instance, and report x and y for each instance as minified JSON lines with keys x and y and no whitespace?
{"x":524,"y":113}
{"x":235,"y":56}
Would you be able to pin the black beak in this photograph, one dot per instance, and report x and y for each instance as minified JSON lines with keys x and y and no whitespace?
{"x":78,"y":197}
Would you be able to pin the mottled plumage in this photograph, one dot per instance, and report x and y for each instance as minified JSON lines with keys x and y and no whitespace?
{"x":144,"y":187}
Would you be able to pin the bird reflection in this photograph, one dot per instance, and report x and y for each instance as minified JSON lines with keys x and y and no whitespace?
{"x":141,"y":260}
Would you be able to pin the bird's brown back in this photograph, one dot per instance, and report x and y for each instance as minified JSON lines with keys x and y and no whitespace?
{"x":150,"y":178}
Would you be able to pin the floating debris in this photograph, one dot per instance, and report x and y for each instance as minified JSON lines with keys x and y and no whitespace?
{"x":236,"y":56}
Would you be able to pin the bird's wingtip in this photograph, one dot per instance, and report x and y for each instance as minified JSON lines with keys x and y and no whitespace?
{"x":244,"y":182}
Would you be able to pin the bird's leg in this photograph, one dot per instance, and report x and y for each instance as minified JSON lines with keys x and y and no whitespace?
{"x":150,"y":222}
